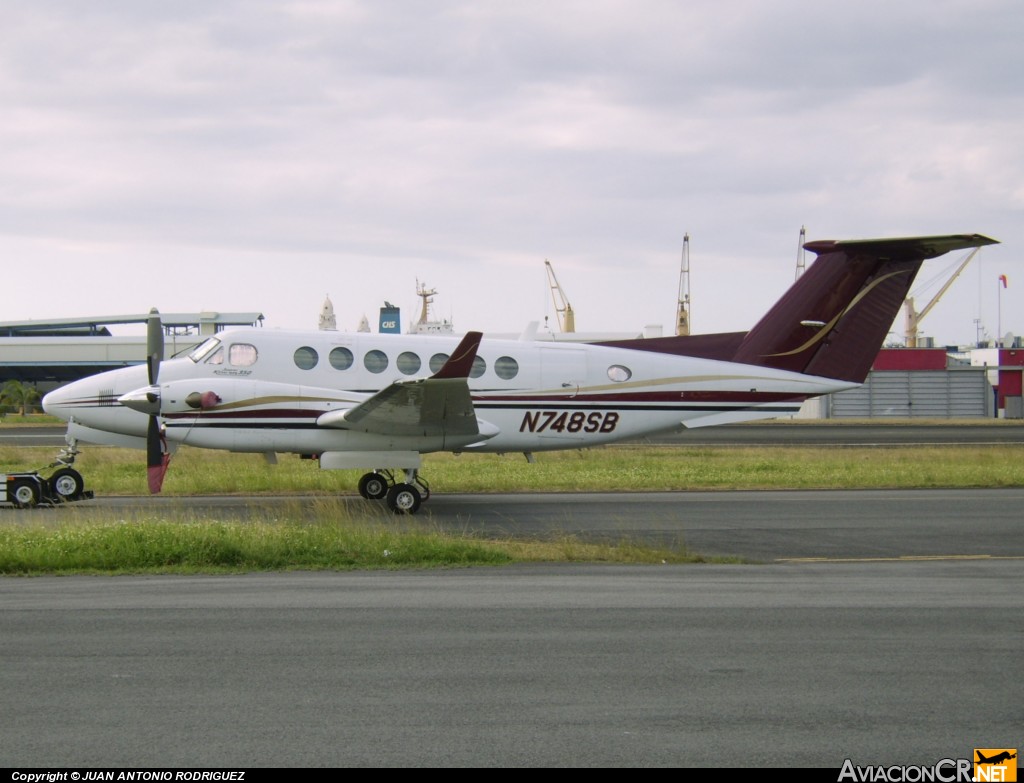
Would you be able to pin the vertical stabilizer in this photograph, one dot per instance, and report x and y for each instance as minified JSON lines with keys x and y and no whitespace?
{"x":835,"y":318}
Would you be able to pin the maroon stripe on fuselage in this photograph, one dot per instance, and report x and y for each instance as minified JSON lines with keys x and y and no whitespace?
{"x":498,"y":401}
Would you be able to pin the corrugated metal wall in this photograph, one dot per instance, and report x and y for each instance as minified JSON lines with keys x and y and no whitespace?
{"x":946,"y":394}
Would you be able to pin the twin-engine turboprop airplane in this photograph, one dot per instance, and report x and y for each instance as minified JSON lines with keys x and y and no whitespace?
{"x":380,"y":401}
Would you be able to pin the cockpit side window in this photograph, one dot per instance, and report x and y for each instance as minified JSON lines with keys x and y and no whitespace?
{"x":204,"y":349}
{"x":217,"y":357}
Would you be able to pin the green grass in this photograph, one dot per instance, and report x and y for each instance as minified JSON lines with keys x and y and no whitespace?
{"x":111,"y":471}
{"x":331,"y":536}
{"x":328,"y":538}
{"x":163,"y":546}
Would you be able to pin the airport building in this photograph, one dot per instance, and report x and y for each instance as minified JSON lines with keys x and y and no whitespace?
{"x":47,"y":354}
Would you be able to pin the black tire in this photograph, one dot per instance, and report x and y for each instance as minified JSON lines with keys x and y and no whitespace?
{"x":24,"y":493}
{"x":66,"y":484}
{"x":373,"y":486}
{"x":404,"y":499}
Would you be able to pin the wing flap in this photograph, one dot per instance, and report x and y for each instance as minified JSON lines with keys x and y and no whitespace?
{"x":440,"y":405}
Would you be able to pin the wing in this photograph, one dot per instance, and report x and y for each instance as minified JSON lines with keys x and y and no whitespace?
{"x":438,"y":405}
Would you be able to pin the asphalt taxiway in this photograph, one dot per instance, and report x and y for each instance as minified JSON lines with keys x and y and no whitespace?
{"x":877,"y":626}
{"x":752,"y":525}
{"x":726,"y":666}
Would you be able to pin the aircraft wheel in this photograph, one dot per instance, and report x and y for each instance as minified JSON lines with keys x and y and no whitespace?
{"x":67,"y":484}
{"x":404,"y":499}
{"x":373,"y":486}
{"x":25,"y":494}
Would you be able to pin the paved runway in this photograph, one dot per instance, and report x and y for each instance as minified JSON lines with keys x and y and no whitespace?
{"x":584,"y":666}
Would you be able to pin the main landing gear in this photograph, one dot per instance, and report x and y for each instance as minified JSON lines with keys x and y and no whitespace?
{"x":402,"y":498}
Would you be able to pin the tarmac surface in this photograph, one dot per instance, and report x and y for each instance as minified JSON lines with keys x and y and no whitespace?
{"x":755,"y":526}
{"x":726,"y":666}
{"x":880,"y":627}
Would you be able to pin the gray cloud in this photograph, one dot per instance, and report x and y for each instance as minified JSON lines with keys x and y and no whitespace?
{"x":261,"y":154}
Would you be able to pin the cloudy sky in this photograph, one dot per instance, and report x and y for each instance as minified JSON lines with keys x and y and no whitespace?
{"x":261,"y":155}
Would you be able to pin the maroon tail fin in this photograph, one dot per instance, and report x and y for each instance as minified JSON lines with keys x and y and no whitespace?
{"x":835,"y":318}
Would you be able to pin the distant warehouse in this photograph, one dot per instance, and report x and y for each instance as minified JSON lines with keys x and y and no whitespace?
{"x":933,"y":383}
{"x":46,"y":354}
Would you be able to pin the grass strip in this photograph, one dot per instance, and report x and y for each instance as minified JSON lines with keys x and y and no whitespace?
{"x":189,"y":545}
{"x":110,"y":471}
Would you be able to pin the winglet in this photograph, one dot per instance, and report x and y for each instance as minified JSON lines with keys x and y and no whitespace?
{"x":461,"y":361}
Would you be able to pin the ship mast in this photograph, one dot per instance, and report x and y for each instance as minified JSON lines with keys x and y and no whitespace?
{"x":427,"y":296}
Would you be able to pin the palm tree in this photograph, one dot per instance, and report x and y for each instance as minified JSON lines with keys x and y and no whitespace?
{"x":20,"y":396}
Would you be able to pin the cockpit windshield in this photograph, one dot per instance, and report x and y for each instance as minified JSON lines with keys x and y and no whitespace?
{"x":204,"y":350}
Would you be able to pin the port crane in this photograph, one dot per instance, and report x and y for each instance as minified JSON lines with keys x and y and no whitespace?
{"x":683,"y":308}
{"x":566,"y":318}
{"x":914,"y":318}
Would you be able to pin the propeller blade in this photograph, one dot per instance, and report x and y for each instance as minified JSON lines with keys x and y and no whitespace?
{"x":157,"y":457}
{"x":154,"y":345}
{"x":156,"y":451}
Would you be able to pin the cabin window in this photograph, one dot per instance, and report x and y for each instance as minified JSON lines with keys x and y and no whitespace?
{"x":204,"y":350}
{"x":506,"y":368}
{"x":242,"y":355}
{"x":376,"y":361}
{"x":479,"y":368}
{"x":306,"y":358}
{"x":341,"y":358}
{"x":437,"y":361}
{"x":619,"y":374}
{"x":408,"y":363}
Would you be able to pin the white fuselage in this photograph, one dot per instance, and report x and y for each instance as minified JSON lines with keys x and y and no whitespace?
{"x":264,"y":391}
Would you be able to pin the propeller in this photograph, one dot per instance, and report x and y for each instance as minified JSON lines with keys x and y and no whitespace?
{"x":157,"y":456}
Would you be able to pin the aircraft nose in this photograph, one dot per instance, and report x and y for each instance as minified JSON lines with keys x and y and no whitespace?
{"x":56,"y":402}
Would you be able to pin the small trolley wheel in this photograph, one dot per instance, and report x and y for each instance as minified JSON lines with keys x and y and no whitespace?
{"x":25,"y":493}
{"x":404,"y":499}
{"x":373,"y":486}
{"x":67,"y":484}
